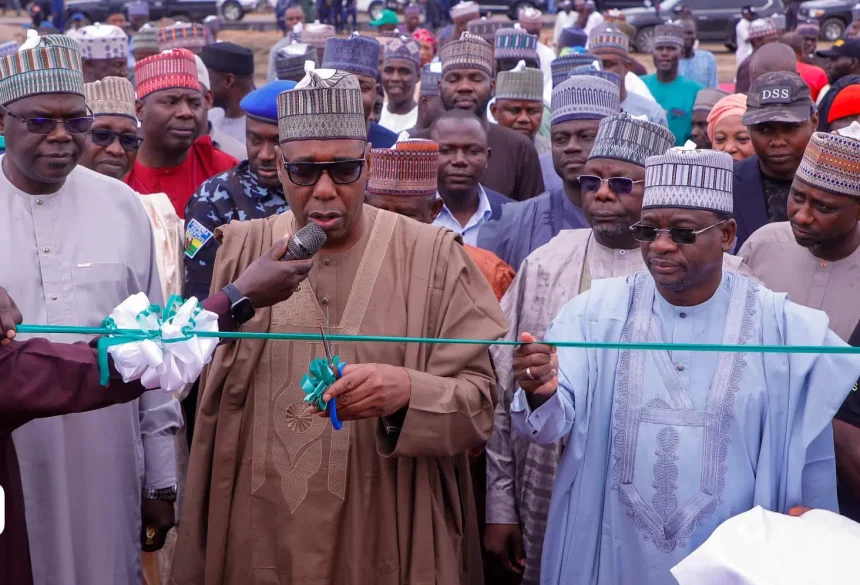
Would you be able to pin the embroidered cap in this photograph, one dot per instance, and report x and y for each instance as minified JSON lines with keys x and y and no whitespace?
{"x":262,"y":103}
{"x":468,"y":52}
{"x":145,"y":39}
{"x":290,"y":60}
{"x":530,"y":17}
{"x":595,"y":72}
{"x":182,"y":35}
{"x":562,"y":66}
{"x":431,"y":75}
{"x":486,"y":27}
{"x":516,"y":43}
{"x":112,"y":96}
{"x":49,"y":64}
{"x":325,"y":105}
{"x":607,"y":39}
{"x":585,"y":98}
{"x":625,"y":138}
{"x":176,"y":68}
{"x":831,"y":163}
{"x":668,"y":34}
{"x":317,"y":34}
{"x":357,"y":54}
{"x":465,"y":11}
{"x":689,"y":179}
{"x":572,"y":36}
{"x":102,"y":41}
{"x":409,"y":168}
{"x":520,"y":83}
{"x":707,"y":98}
{"x":762,"y":27}
{"x":779,"y":96}
{"x":403,"y":47}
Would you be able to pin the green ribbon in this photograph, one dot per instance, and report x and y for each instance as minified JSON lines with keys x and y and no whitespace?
{"x":318,"y":379}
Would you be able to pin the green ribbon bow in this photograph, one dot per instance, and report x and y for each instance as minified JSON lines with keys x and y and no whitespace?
{"x":318,"y":380}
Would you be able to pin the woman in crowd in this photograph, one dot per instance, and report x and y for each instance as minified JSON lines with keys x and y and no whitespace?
{"x":725,"y":129}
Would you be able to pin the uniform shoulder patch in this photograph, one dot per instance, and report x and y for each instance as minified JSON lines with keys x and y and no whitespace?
{"x":196,"y":236}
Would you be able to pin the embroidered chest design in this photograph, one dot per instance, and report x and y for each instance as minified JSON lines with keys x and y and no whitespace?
{"x":665,"y":520}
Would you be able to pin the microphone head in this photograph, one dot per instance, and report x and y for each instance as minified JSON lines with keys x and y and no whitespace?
{"x":306,"y":242}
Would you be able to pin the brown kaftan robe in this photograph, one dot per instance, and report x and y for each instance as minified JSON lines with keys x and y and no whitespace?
{"x":275,"y":496}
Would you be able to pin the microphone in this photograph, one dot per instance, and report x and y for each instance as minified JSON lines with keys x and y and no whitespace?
{"x":305,"y":243}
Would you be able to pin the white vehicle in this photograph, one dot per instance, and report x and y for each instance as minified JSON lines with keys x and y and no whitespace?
{"x":234,"y":10}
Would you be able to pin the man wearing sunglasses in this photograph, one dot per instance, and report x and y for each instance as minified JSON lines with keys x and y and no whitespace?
{"x":578,"y":105}
{"x":663,"y":446}
{"x":552,"y":275}
{"x":80,"y":243}
{"x":410,"y":412}
{"x":820,"y":243}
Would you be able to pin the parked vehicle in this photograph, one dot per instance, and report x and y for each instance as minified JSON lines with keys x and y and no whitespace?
{"x":716,"y":19}
{"x":235,"y":10}
{"x":188,"y":10}
{"x":834,"y":16}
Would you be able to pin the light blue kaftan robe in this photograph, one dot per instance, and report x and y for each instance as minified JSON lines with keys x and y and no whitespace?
{"x":662,"y":447}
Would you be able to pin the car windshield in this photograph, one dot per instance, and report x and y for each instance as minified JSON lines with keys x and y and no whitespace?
{"x":668,"y":5}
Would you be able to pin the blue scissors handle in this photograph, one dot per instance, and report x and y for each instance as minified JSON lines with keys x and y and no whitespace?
{"x":332,"y":404}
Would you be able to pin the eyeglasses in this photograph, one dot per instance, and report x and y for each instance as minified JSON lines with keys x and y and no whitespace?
{"x":44,"y":126}
{"x":618,"y":185}
{"x":342,"y":172}
{"x":681,"y":236}
{"x":129,"y":142}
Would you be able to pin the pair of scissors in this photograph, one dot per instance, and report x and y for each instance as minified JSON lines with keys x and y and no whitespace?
{"x":338,"y":373}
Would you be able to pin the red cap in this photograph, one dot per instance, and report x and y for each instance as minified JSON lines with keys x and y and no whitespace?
{"x":847,"y":103}
{"x":174,"y":68}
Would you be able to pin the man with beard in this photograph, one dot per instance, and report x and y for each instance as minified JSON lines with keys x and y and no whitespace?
{"x":781,"y":119}
{"x":675,"y":93}
{"x":79,"y":244}
{"x":463,"y":161}
{"x":706,"y":99}
{"x":762,"y":32}
{"x":468,"y":84}
{"x":696,"y":64}
{"x":104,"y":51}
{"x":172,"y":159}
{"x":387,"y":498}
{"x":399,"y":76}
{"x":663,"y":446}
{"x":815,"y":258}
{"x":519,"y":103}
{"x":519,"y":474}
{"x":231,"y":78}
{"x":249,"y":191}
{"x":111,"y":149}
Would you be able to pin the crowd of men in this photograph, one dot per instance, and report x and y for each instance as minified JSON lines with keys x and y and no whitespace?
{"x":473,"y":182}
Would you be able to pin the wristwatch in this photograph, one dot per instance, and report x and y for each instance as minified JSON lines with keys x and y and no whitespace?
{"x":166,"y":494}
{"x":241,"y":308}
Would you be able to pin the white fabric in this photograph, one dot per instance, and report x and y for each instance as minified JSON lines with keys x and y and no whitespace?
{"x":468,"y":232}
{"x":156,"y":364}
{"x":742,"y":32}
{"x":202,"y":73}
{"x":766,"y":548}
{"x":852,"y":131}
{"x":634,"y":84}
{"x":397,"y":123}
{"x":563,"y":20}
{"x":232,"y":127}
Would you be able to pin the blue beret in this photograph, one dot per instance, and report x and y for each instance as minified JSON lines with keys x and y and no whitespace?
{"x":262,"y":103}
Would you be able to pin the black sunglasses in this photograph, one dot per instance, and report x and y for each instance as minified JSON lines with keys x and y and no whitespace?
{"x":44,"y":126}
{"x":342,"y":172}
{"x":129,"y":142}
{"x":618,"y":185}
{"x":681,"y":236}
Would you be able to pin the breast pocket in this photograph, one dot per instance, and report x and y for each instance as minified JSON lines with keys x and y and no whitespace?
{"x":99,"y":288}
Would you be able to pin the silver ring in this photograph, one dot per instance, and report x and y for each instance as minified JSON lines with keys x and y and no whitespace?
{"x":529,"y":373}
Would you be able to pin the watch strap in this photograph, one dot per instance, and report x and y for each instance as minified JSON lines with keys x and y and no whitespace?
{"x":233,"y":294}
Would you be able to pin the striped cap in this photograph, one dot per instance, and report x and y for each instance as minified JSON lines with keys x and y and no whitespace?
{"x":762,"y":27}
{"x":562,"y":66}
{"x":317,"y":34}
{"x":182,"y":35}
{"x":516,"y":43}
{"x":468,"y":52}
{"x":112,"y":96}
{"x":325,"y":105}
{"x":831,"y":163}
{"x":486,"y":27}
{"x":585,"y":98}
{"x":521,"y":83}
{"x":176,"y":68}
{"x":668,"y":34}
{"x":689,"y":179}
{"x":431,"y":74}
{"x":404,"y":47}
{"x":409,"y":168}
{"x":290,"y":60}
{"x":465,"y":11}
{"x":606,"y":38}
{"x":102,"y":41}
{"x":49,"y":64}
{"x":625,"y":138}
{"x":357,"y":54}
{"x":9,"y":48}
{"x":145,"y":39}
